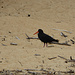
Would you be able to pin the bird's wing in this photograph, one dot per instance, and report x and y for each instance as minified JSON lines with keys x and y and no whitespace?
{"x":49,"y":37}
{"x":46,"y":38}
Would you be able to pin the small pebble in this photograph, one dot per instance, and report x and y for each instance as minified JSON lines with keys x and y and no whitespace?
{"x":37,"y":55}
{"x":9,"y":32}
{"x":28,"y":15}
{"x":0,"y":61}
{"x":13,"y":44}
{"x":1,"y":6}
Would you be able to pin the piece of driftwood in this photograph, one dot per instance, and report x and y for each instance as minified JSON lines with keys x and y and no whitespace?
{"x":62,"y":34}
{"x":72,"y":41}
{"x":37,"y":55}
{"x":31,"y":37}
{"x":32,"y":69}
{"x":34,"y":73}
{"x":68,"y":60}
{"x":61,"y":43}
{"x":36,"y":70}
{"x":3,"y":44}
{"x":18,"y":70}
{"x":62,"y":30}
{"x":13,"y":43}
{"x":52,"y":58}
{"x":17,"y":38}
{"x":70,"y":71}
{"x":20,"y":63}
{"x":40,"y":73}
{"x":62,"y":57}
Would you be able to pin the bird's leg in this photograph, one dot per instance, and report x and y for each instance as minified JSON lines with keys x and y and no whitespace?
{"x":44,"y":45}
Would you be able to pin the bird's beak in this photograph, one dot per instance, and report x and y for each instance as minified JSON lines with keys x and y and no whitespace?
{"x":36,"y":33}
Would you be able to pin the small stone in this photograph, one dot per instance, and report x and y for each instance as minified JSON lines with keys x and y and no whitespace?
{"x":37,"y":55}
{"x":9,"y":14}
{"x":22,"y":47}
{"x":1,"y":6}
{"x":43,"y":61}
{"x":9,"y":32}
{"x":2,"y":58}
{"x":13,"y":43}
{"x":0,"y":61}
{"x":28,"y":15}
{"x":3,"y":39}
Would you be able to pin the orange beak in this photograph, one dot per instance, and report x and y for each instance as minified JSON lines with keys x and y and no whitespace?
{"x":36,"y":33}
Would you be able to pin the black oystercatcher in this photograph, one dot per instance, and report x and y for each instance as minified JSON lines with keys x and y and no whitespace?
{"x":45,"y":38}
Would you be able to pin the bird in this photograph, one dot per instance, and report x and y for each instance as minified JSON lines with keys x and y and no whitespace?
{"x":45,"y":38}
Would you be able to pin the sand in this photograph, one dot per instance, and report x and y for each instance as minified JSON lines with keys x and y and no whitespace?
{"x":46,"y":15}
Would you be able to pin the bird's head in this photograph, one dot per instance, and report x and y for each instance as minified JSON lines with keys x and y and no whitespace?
{"x":39,"y":31}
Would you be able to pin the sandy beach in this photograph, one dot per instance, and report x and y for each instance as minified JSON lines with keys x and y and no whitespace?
{"x":20,"y":17}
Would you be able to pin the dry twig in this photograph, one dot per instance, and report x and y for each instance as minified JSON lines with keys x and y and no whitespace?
{"x":13,"y":43}
{"x":61,"y":43}
{"x":30,"y":37}
{"x":20,"y":63}
{"x":52,"y":58}
{"x":62,"y":57}
{"x":62,"y":30}
{"x":72,"y":41}
{"x":67,"y":60}
{"x":62,"y":34}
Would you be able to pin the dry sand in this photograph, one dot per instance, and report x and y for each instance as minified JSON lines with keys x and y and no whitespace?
{"x":44,"y":14}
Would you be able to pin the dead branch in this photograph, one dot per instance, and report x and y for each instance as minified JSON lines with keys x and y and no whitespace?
{"x":61,"y":43}
{"x":33,"y":73}
{"x":20,"y":63}
{"x":62,"y":30}
{"x":37,"y":55}
{"x":36,"y":70}
{"x":62,"y":57}
{"x":32,"y":69}
{"x":31,"y":37}
{"x":72,"y":41}
{"x":67,"y":60}
{"x":18,"y":70}
{"x":52,"y":58}
{"x":17,"y":38}
{"x":71,"y":71}
{"x":13,"y":44}
{"x":3,"y":44}
{"x":62,"y":34}
{"x":70,"y":60}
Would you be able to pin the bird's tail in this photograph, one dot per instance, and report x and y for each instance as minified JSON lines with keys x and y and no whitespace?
{"x":56,"y":40}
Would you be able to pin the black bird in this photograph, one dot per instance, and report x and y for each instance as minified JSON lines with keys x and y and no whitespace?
{"x":44,"y":37}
